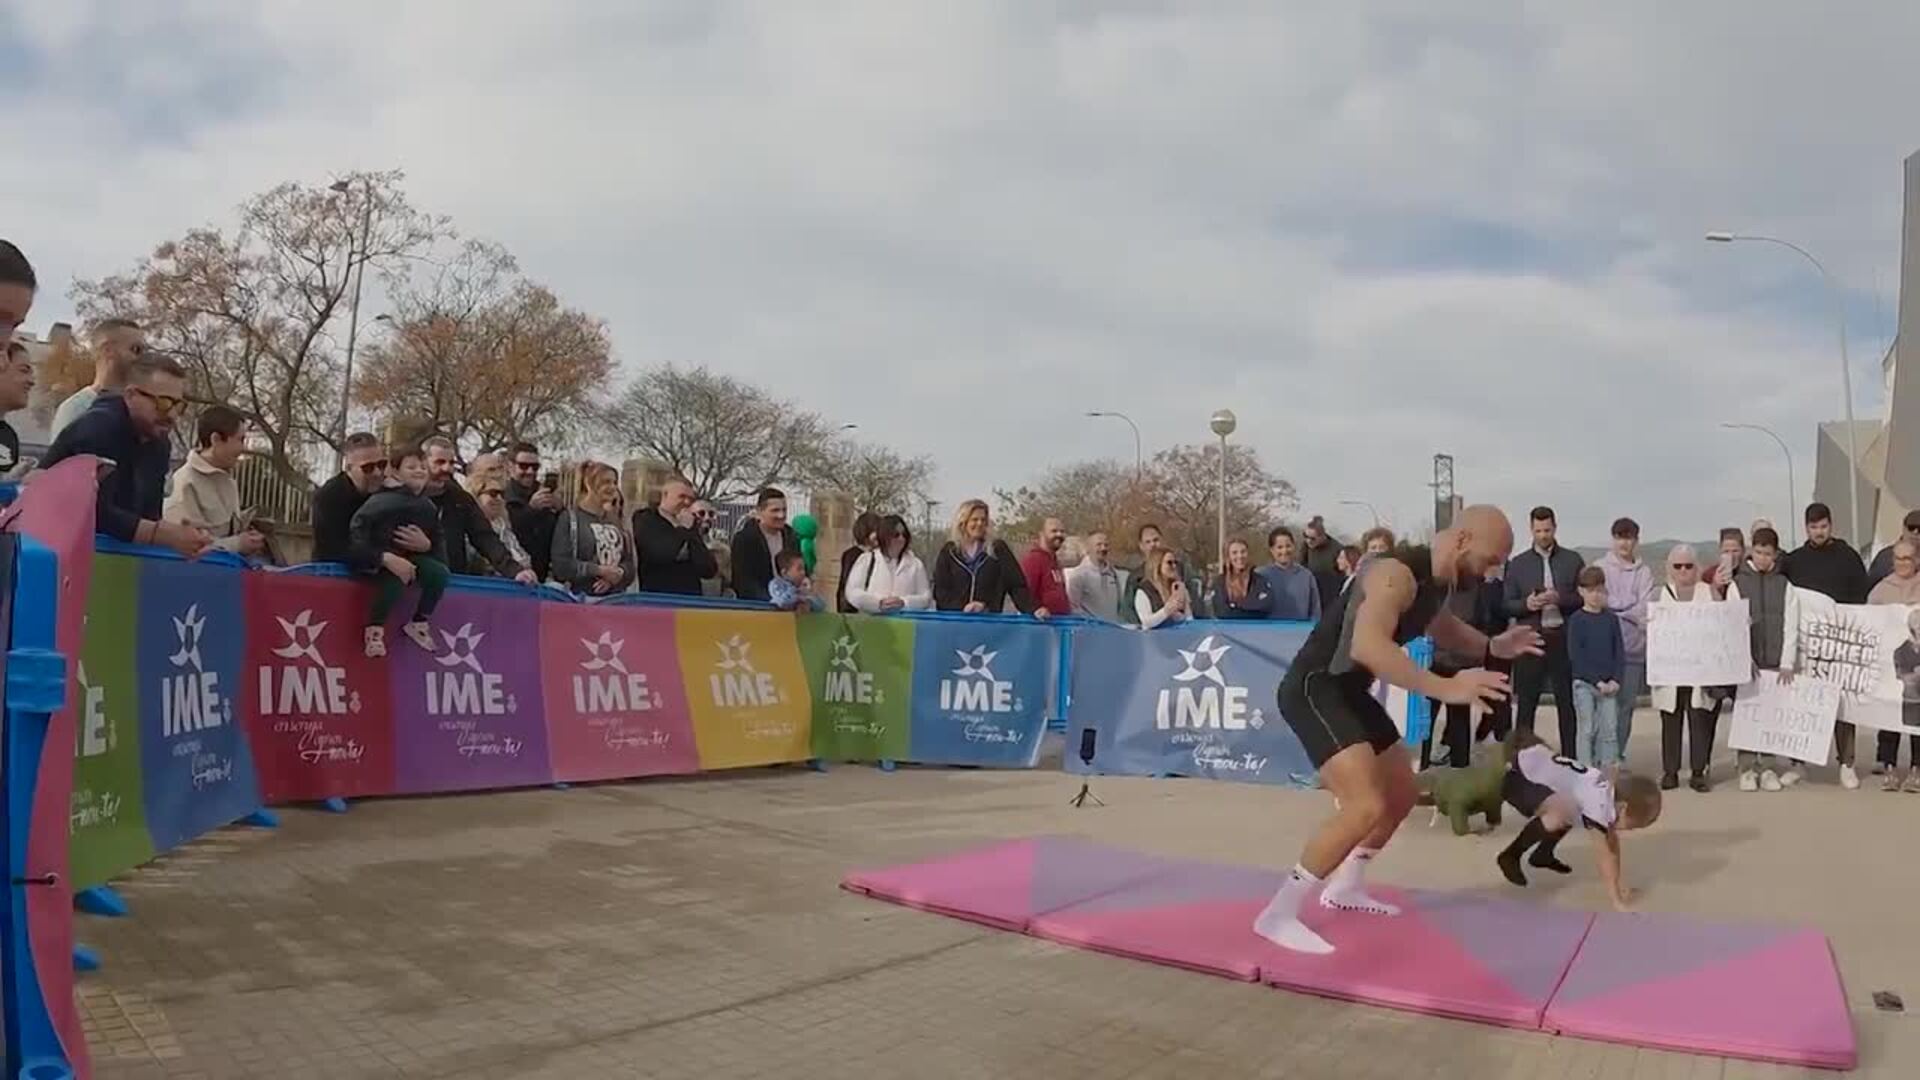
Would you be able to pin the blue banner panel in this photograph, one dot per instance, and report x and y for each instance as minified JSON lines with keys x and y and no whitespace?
{"x":196,"y":769}
{"x":1195,"y":700}
{"x":980,"y":690}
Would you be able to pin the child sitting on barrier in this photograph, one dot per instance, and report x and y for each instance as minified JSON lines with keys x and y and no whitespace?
{"x":372,"y":549}
{"x":791,"y":589}
{"x":1555,"y":792}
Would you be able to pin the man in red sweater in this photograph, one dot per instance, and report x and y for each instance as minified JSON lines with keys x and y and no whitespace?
{"x":1041,"y":565}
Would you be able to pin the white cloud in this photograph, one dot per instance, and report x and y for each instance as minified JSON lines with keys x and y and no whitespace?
{"x":1376,"y":231}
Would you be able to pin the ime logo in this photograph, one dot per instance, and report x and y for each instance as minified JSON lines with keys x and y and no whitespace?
{"x":306,"y":685}
{"x":972,"y":687}
{"x":190,"y":698}
{"x":846,"y":684}
{"x":603,"y":684}
{"x":1202,"y":698}
{"x":93,"y":734}
{"x":465,"y":688}
{"x":735,"y":684}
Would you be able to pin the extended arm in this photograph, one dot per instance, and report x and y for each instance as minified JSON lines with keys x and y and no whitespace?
{"x":1389,"y":593}
{"x":1607,"y":855}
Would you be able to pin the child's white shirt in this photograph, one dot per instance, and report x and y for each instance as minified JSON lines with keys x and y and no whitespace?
{"x":1589,"y":788}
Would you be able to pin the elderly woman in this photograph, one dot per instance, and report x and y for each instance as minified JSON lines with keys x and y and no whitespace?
{"x":1903,"y":587}
{"x":491,"y":493}
{"x":1696,"y":708}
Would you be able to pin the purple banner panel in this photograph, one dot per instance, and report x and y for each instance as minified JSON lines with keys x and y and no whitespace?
{"x":468,"y":714}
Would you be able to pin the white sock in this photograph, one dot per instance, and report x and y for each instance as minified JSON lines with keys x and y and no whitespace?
{"x":1280,"y":921}
{"x":1347,"y":891}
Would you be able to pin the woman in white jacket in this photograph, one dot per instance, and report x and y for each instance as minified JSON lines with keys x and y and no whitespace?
{"x":890,"y":577}
{"x":1690,"y":710}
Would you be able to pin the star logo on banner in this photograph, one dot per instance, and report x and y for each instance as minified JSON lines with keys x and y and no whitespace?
{"x":843,"y":651}
{"x":733,"y":654}
{"x":462,"y":644}
{"x":974,"y":662}
{"x":303,"y":637}
{"x":604,"y":652}
{"x":1203,"y":662}
{"x":189,"y":627}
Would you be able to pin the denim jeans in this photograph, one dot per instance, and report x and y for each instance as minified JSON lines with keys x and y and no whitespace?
{"x":1633,"y":682}
{"x":1596,"y":716}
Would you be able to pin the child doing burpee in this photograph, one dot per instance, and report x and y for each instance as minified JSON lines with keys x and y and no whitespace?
{"x":1555,"y":793}
{"x":373,"y":551}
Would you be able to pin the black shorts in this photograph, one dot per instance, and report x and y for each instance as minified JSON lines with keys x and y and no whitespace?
{"x":1328,"y":714}
{"x":1527,"y":797}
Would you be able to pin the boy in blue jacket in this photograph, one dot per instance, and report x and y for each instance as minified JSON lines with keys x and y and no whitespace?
{"x":371,"y":550}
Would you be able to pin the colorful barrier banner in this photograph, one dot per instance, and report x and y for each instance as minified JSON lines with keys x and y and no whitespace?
{"x":1188,"y":701}
{"x":469,"y":713}
{"x":861,"y":673}
{"x":980,"y":691}
{"x":196,"y":772}
{"x":615,"y":699}
{"x":316,"y":707}
{"x":109,"y":816}
{"x":747,"y":689}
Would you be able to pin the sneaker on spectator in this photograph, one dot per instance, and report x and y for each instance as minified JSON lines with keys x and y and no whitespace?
{"x":1699,"y":782}
{"x":1670,"y":782}
{"x":376,"y":640}
{"x":1892,"y":780}
{"x":1848,"y":778}
{"x":1790,"y":777}
{"x":1748,"y":782}
{"x":1912,"y":785}
{"x":1770,"y":781}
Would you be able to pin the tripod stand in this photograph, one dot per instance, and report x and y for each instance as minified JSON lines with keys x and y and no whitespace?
{"x":1086,"y":795}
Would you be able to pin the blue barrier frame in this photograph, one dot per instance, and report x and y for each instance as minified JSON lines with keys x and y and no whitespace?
{"x":35,"y":682}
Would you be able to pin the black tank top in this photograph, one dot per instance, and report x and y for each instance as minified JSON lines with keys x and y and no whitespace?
{"x":1329,"y":647}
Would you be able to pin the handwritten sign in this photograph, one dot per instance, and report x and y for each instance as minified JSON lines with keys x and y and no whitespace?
{"x":1698,"y":643}
{"x":1793,"y":720}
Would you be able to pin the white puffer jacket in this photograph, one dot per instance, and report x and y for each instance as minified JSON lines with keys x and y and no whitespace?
{"x":875,"y":578}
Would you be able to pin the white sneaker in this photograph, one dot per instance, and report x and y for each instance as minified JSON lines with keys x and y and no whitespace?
{"x":1769,"y":780}
{"x":1749,"y":782}
{"x":1791,"y":777}
{"x":1848,"y":778}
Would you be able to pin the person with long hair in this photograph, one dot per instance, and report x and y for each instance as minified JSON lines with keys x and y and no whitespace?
{"x":1162,"y":597}
{"x":976,"y":572}
{"x":1239,"y":592}
{"x":890,"y":577}
{"x":592,"y":553}
{"x":864,"y":528}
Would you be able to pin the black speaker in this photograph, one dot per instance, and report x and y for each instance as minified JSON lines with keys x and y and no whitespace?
{"x":1087,"y":739}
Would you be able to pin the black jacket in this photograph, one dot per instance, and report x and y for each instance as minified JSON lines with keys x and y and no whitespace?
{"x":1525,"y":577}
{"x":467,"y":531}
{"x":672,"y":559}
{"x":534,"y":528}
{"x":993,"y":582}
{"x":370,"y":532}
{"x":134,"y":491}
{"x":753,"y":563}
{"x":333,"y":508}
{"x":1257,"y":604}
{"x":847,"y":559}
{"x":1832,"y":569}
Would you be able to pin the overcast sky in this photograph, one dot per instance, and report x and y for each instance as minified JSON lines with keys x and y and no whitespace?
{"x":1374,"y":230}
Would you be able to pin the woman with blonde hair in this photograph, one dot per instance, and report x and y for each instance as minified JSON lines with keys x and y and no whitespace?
{"x":975,"y":572}
{"x":1162,"y":597}
{"x":592,"y":551}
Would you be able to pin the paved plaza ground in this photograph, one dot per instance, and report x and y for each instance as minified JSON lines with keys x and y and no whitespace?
{"x":693,"y":928}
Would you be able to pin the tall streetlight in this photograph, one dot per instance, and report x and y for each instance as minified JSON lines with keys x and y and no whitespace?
{"x":1139,"y":459}
{"x":1223,"y":422}
{"x":353,"y":313}
{"x":1367,"y":505}
{"x":1793,"y":503}
{"x":1862,"y":532}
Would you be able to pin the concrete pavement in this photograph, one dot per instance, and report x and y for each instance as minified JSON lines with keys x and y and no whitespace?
{"x":693,"y":928}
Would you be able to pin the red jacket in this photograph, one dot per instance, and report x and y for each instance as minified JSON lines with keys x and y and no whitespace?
{"x":1045,"y":581}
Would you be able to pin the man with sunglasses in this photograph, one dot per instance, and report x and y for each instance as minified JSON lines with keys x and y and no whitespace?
{"x":116,"y":343}
{"x":533,"y":507}
{"x":363,"y":473}
{"x":134,"y":429}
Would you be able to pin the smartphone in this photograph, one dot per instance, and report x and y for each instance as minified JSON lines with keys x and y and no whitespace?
{"x":550,"y":482}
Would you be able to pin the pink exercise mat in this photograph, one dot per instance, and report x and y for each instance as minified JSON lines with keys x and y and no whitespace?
{"x":1759,"y":993}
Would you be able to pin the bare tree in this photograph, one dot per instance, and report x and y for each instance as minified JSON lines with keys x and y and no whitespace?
{"x":1184,"y":486}
{"x":1087,"y":496}
{"x":252,"y":315}
{"x":876,"y":477}
{"x":726,"y":436}
{"x":482,"y":355}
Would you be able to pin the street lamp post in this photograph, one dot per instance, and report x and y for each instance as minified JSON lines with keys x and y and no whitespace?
{"x":1139,"y":459}
{"x":1793,"y":503}
{"x":353,"y":312}
{"x":1862,"y":532}
{"x":1369,"y":508}
{"x":1222,"y":422}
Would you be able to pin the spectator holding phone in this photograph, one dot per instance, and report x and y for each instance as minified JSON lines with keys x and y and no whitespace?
{"x":205,"y":493}
{"x":533,"y":505}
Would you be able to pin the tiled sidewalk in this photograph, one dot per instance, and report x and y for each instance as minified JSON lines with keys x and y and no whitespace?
{"x":693,"y":929}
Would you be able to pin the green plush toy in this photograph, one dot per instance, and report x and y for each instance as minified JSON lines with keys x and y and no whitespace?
{"x":1462,"y":793}
{"x":806,"y":529}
